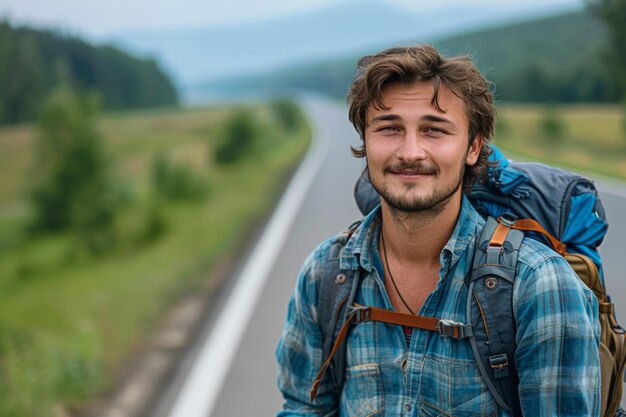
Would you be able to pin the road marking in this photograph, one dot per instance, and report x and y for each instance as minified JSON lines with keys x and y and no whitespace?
{"x":204,"y":382}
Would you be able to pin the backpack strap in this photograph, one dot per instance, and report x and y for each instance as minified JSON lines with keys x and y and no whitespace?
{"x":491,"y":329}
{"x":358,"y":313}
{"x":337,"y":290}
{"x":490,"y":309}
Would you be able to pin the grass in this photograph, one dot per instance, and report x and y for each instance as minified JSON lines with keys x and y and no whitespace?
{"x":69,"y":319}
{"x":594,"y":139}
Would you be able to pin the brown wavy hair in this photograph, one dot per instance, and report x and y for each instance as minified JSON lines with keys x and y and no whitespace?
{"x":407,"y":65}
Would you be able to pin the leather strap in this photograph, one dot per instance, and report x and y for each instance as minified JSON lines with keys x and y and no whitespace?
{"x":393,"y":317}
{"x":499,"y":235}
{"x":446,"y":328}
{"x":340,"y":337}
{"x":530,"y":225}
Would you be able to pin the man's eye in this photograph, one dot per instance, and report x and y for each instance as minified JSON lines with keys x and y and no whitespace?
{"x":387,"y":129}
{"x":434,"y":131}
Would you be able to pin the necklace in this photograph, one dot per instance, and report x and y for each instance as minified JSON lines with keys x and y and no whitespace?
{"x":382,"y":241}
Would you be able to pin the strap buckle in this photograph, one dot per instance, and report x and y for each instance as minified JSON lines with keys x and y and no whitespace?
{"x":454,"y":329}
{"x":499,"y":364}
{"x":508,"y":219}
{"x":359,"y":312}
{"x":499,"y":361}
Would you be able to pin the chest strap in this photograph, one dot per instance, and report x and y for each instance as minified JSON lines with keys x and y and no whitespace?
{"x":359,"y":313}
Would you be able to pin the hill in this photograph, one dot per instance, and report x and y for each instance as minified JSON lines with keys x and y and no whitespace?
{"x":549,"y":59}
{"x":200,"y":54}
{"x":34,"y":62}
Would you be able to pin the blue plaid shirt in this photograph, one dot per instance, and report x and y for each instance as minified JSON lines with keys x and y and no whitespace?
{"x":557,"y":339}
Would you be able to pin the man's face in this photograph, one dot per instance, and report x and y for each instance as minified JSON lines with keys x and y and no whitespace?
{"x":416,"y":155}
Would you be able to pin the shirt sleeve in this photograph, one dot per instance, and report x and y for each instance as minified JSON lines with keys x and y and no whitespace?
{"x":558,"y":335}
{"x":299,"y":352}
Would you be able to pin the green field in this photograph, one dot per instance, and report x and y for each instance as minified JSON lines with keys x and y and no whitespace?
{"x":593,"y":138}
{"x":69,"y":320}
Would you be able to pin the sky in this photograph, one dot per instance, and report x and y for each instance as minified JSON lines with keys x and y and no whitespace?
{"x":99,"y":19}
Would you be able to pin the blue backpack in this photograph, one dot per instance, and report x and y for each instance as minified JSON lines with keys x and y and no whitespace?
{"x":557,"y":207}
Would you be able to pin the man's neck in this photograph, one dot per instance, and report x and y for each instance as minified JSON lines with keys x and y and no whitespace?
{"x":419,"y":237}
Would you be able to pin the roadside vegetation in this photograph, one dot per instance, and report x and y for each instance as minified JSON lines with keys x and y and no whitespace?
{"x":589,"y":138}
{"x":153,"y":213}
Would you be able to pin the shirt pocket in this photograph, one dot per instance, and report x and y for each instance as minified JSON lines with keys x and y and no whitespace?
{"x":452,"y":388}
{"x":363,"y":392}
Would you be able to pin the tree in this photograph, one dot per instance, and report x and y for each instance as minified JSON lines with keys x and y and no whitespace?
{"x":240,"y":133}
{"x":613,"y":13}
{"x":72,"y":189}
{"x":552,"y":128}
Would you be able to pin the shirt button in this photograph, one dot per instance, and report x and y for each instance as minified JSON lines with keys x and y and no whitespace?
{"x":407,"y":407}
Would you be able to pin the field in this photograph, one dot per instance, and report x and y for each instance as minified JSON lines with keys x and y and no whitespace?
{"x":69,"y":319}
{"x":592,"y":138}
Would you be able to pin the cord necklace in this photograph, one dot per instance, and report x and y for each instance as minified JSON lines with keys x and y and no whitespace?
{"x":393,"y":281}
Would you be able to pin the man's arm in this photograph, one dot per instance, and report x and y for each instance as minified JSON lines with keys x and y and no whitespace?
{"x":299,"y":352}
{"x":558,"y":335}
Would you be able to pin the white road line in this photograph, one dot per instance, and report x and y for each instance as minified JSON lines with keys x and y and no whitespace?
{"x":204,"y":382}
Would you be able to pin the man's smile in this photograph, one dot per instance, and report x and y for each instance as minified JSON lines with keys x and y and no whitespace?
{"x":411,"y":171}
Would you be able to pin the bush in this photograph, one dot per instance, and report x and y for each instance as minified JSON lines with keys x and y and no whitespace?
{"x":624,"y":117}
{"x":176,"y":182}
{"x":240,"y":134}
{"x":503,"y":127}
{"x":287,"y":113}
{"x":72,"y":188}
{"x":552,"y":128}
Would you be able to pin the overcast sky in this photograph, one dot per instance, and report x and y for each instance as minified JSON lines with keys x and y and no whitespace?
{"x":101,"y":18}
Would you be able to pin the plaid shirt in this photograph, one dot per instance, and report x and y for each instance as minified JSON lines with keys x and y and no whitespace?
{"x":557,"y":339}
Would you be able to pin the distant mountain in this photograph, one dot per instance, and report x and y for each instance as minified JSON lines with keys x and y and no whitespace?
{"x":203,"y":54}
{"x":551,"y":59}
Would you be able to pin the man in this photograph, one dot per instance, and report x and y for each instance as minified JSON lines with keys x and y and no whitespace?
{"x":426,"y":121}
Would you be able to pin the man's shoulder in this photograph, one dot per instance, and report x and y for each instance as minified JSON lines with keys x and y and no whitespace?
{"x":533,"y":253}
{"x":540,"y":268}
{"x":320,"y":255}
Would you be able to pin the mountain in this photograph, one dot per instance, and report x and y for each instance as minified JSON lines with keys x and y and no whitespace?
{"x":557,"y":58}
{"x":197,"y":55}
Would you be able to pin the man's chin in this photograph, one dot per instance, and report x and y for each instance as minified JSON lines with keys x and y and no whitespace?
{"x":410,"y":205}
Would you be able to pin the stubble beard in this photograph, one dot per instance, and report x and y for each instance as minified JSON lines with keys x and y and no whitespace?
{"x":431,"y":204}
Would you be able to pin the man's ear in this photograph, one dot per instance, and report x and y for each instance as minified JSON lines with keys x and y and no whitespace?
{"x":474,"y":150}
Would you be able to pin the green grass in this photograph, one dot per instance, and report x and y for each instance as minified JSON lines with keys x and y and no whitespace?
{"x":68,"y":320}
{"x":594,"y":139}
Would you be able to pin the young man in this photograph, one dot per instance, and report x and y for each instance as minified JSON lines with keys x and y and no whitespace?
{"x":426,"y":122}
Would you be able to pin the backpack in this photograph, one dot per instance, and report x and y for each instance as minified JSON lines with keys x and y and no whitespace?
{"x":557,"y":207}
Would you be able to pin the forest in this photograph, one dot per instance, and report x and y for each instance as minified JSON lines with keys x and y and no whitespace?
{"x":33,"y":63}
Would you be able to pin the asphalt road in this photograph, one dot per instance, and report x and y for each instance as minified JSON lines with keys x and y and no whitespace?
{"x":249,"y":388}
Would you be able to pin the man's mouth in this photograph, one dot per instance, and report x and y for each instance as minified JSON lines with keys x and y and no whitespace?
{"x":410,"y":171}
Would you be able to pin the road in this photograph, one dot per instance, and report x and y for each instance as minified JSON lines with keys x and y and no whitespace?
{"x":327,"y":209}
{"x":249,"y":387}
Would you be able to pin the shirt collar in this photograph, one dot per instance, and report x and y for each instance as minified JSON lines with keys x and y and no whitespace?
{"x":359,"y":248}
{"x":465,"y":232}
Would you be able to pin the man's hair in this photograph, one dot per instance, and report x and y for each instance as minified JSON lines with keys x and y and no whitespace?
{"x":406,"y":65}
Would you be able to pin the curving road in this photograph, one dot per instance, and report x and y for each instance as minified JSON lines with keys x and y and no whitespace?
{"x":248,"y":385}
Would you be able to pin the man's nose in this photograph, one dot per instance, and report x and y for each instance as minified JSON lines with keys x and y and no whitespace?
{"x":411,"y":148}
